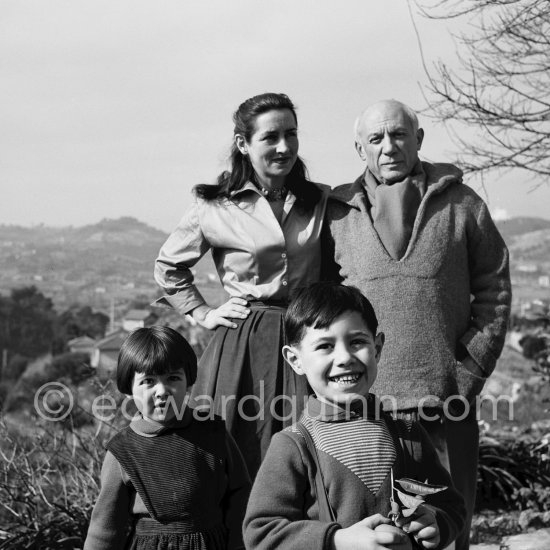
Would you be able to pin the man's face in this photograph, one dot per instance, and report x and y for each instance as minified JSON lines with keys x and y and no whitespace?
{"x":388,"y":142}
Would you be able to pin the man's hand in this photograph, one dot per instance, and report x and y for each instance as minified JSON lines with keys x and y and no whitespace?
{"x":472,"y":366}
{"x":423,"y":526}
{"x":372,"y":533}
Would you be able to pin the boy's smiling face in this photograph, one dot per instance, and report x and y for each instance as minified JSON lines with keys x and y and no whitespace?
{"x":340,"y":361}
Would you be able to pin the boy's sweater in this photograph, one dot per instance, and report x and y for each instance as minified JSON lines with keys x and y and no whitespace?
{"x":356,"y":452}
{"x":424,"y":300}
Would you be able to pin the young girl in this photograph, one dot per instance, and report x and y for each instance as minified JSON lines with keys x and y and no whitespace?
{"x":172,"y":479}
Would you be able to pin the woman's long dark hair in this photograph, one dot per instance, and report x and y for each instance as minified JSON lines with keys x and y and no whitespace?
{"x":307,"y":194}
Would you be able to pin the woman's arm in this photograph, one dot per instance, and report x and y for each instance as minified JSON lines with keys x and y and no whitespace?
{"x":181,"y":251}
{"x":111,"y":514}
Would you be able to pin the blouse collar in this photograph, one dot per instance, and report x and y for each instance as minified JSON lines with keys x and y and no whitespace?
{"x":249,"y":186}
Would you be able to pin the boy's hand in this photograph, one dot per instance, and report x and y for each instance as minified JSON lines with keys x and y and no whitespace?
{"x":372,"y":533}
{"x":423,"y":526}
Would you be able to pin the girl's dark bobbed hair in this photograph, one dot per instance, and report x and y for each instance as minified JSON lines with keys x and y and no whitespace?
{"x":154,"y":350}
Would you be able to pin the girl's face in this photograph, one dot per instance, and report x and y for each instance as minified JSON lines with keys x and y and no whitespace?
{"x":273,"y":147}
{"x":160,"y":397}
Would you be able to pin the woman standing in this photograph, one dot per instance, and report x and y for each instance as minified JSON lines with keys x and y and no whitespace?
{"x":262,"y":221}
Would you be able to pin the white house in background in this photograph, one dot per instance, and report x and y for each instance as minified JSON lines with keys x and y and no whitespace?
{"x":527,"y":268}
{"x":513,"y":338}
{"x":105,"y":353}
{"x":138,"y":318}
{"x":81,"y":344}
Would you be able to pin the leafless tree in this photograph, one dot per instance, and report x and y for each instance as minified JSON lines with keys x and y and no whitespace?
{"x":501,"y":88}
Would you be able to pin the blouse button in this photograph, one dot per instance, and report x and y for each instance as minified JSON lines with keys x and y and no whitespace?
{"x":284,"y":283}
{"x":283,"y":255}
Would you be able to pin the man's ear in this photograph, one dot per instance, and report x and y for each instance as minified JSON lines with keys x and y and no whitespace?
{"x":360,"y":150}
{"x":379,"y":344}
{"x":292,"y":357}
{"x":419,"y":138}
{"x":240,"y":142}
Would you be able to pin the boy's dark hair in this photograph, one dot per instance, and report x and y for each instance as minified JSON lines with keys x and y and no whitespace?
{"x":154,"y":350}
{"x":320,"y":304}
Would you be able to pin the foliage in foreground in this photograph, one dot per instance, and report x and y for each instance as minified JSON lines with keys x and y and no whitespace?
{"x":48,"y":486}
{"x":513,"y":472}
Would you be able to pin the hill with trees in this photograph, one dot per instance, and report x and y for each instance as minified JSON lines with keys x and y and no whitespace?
{"x":96,"y":265}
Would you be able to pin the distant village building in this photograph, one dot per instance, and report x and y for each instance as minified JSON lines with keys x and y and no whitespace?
{"x":514,"y":337}
{"x":82,"y":344}
{"x":105,"y":353}
{"x":138,"y":318}
{"x":527,"y":268}
{"x":544,"y":281}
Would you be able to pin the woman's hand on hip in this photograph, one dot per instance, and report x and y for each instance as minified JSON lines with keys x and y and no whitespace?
{"x":210,"y":318}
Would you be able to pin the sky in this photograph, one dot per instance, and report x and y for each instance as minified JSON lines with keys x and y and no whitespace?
{"x":113,"y":108}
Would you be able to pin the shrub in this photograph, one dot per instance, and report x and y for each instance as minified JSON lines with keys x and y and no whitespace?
{"x":532,"y":345}
{"x":74,"y":366}
{"x":48,"y":486}
{"x":15,"y":367}
{"x":513,"y":472}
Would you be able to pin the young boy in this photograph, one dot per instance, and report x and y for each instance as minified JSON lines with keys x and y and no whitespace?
{"x":333,"y":341}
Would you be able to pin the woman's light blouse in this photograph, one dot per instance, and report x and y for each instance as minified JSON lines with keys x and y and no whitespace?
{"x":256,"y":257}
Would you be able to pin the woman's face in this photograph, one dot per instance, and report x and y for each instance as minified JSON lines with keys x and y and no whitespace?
{"x":273,"y":146}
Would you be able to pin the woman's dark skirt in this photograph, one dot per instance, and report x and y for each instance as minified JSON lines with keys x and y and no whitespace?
{"x":243,"y":378}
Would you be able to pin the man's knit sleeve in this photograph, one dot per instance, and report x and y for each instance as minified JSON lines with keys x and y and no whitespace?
{"x":281,"y":503}
{"x":490,"y":287}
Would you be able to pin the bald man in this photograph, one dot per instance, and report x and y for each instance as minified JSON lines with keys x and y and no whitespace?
{"x":423,"y":248}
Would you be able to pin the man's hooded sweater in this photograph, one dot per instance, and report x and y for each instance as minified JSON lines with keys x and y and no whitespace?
{"x":450,"y":291}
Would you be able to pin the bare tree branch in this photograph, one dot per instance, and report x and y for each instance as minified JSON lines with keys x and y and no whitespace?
{"x":502,"y":86}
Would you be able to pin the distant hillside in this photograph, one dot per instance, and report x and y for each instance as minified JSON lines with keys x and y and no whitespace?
{"x":89,"y":264}
{"x":518,"y":226}
{"x":113,"y":260}
{"x":528,"y":240}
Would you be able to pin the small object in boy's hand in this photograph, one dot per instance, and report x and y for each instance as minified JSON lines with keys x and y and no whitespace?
{"x":418,"y":488}
{"x":413,"y":493}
